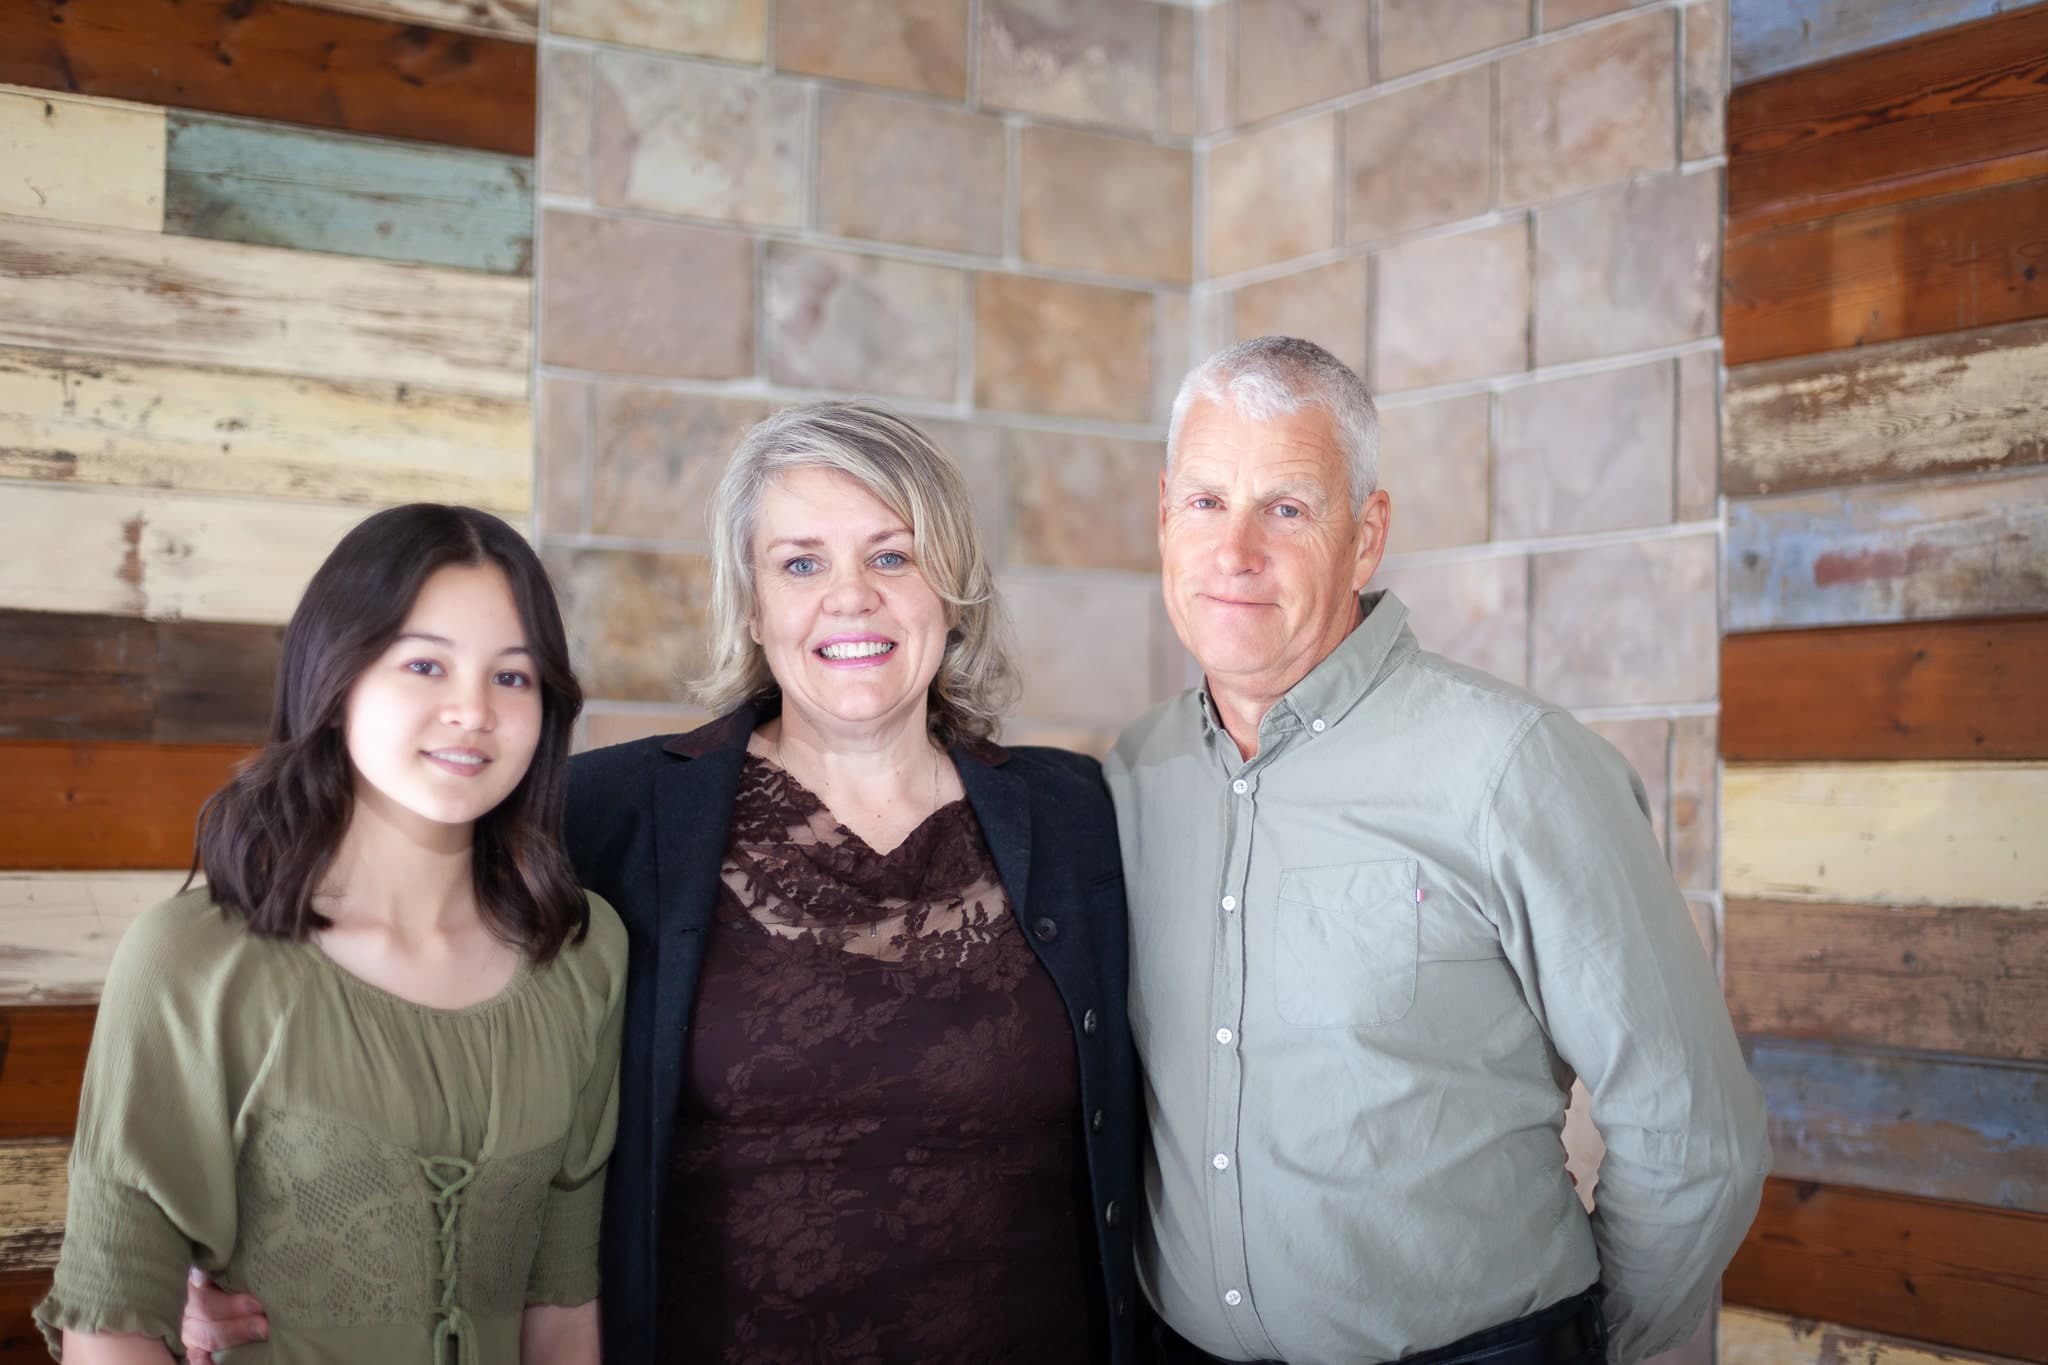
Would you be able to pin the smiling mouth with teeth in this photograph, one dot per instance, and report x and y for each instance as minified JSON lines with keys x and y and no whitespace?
{"x":864,"y":649}
{"x":467,"y":760}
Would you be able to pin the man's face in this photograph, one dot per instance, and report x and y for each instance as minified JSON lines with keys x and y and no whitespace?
{"x":1262,"y":555}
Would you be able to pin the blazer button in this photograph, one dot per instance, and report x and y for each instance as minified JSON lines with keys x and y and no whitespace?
{"x":1122,"y":1308}
{"x":1095,"y":1122}
{"x":1111,"y":1214}
{"x":1046,"y":930}
{"x":1088,"y":1023}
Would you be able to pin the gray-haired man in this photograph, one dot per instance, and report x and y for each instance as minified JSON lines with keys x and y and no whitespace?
{"x":1383,"y":907}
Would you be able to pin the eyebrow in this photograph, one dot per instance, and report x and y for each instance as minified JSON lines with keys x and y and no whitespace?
{"x":447,"y":643}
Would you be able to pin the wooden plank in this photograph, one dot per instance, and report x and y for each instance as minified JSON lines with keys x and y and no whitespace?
{"x":1888,"y":553}
{"x":95,"y":807}
{"x":336,"y":318}
{"x":75,"y":676}
{"x":21,"y":1343}
{"x":1903,"y":410}
{"x":1930,"y":978}
{"x":1899,"y":833}
{"x":515,"y":19}
{"x":66,"y":675}
{"x":1748,"y":1337}
{"x":42,"y":1065}
{"x":1967,"y":1276}
{"x":73,"y":418}
{"x":33,"y":1187}
{"x":272,"y":60}
{"x":274,"y":185}
{"x":216,"y":682}
{"x":1973,"y":1132}
{"x":78,"y":160}
{"x":1769,"y":36}
{"x":1918,"y":268}
{"x":58,"y":929}
{"x":1913,"y":690}
{"x":162,"y":555}
{"x":1971,"y":95}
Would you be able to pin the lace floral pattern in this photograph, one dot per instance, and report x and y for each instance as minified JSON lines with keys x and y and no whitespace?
{"x":878,"y":1154}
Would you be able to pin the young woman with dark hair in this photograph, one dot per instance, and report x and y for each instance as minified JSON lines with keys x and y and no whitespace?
{"x":367,"y":1071}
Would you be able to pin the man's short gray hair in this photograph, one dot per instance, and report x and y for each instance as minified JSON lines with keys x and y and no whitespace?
{"x":1268,"y":377}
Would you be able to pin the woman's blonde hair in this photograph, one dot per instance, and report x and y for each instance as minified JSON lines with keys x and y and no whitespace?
{"x":902,"y":468}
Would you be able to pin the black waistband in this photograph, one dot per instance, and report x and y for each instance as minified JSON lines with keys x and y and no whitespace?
{"x":1568,"y":1332}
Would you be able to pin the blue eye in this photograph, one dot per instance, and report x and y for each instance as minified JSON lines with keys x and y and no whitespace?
{"x":802,"y":566}
{"x":425,"y":668}
{"x":1202,"y":502}
{"x":1287,"y":510}
{"x":892,"y":559}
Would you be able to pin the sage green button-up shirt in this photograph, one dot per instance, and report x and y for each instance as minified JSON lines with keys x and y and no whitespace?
{"x":1365,"y":965}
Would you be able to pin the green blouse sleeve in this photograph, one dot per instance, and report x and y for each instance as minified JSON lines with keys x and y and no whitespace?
{"x":153,"y":1163}
{"x":565,"y":1269}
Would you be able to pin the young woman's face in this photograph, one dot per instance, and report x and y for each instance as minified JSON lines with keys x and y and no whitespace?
{"x":442,"y":726}
{"x":849,"y":628}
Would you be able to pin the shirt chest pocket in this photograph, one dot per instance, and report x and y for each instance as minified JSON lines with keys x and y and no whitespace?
{"x":1345,"y":944}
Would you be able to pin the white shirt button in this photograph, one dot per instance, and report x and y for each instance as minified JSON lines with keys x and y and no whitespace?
{"x":1223,"y":1036}
{"x":1233,"y":1298}
{"x":1318,"y":725}
{"x":1240,"y":786}
{"x":1221,"y":1161}
{"x":1230,"y":902}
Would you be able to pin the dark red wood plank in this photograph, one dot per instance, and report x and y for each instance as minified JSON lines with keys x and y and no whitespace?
{"x":1902,"y":270}
{"x":77,"y":676}
{"x":1966,"y":980}
{"x":20,"y":1342}
{"x":273,"y":60}
{"x":1957,"y":1274}
{"x":42,"y":1064}
{"x":66,"y":675}
{"x":1915,"y":690}
{"x":88,"y":807}
{"x":1880,"y":125}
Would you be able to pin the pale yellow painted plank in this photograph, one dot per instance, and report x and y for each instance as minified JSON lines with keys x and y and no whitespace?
{"x":1752,"y":1338}
{"x":1887,"y":833}
{"x":518,"y":20}
{"x":162,"y":555}
{"x":199,"y":302}
{"x":33,"y":1188}
{"x":91,"y":419}
{"x":58,"y":929}
{"x":81,"y":160}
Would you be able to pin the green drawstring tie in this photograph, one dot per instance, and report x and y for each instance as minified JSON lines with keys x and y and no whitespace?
{"x":450,"y":1175}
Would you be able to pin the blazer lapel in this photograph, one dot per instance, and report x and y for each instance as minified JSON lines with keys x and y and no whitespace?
{"x":693,"y":801}
{"x":1002,"y":803}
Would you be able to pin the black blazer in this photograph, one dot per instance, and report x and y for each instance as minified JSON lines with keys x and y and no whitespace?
{"x":647,"y":826}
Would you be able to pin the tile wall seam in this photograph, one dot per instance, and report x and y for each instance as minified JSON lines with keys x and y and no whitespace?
{"x":897,"y":251}
{"x":1457,"y":66}
{"x":1480,"y":551}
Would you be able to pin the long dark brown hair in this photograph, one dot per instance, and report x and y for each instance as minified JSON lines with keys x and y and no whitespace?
{"x":266,"y":839}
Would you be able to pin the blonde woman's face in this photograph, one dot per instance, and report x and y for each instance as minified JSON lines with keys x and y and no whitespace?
{"x":850,"y":629}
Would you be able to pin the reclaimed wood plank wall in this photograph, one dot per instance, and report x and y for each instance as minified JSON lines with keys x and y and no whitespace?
{"x":265,"y":267}
{"x":1884,"y":722}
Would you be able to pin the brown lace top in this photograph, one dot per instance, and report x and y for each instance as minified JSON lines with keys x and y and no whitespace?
{"x":878,"y":1152}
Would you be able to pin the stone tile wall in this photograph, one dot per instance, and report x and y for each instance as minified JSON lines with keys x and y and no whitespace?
{"x":981,"y":212}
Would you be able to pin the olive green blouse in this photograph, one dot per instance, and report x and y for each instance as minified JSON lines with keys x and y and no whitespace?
{"x":396,"y":1183}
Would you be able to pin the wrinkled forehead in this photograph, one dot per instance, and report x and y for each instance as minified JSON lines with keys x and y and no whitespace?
{"x":1219,"y":445}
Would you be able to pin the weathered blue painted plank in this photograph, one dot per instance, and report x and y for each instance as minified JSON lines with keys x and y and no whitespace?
{"x":1975,"y":1132}
{"x":1769,"y":36}
{"x":1898,"y":552}
{"x":272,"y":185}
